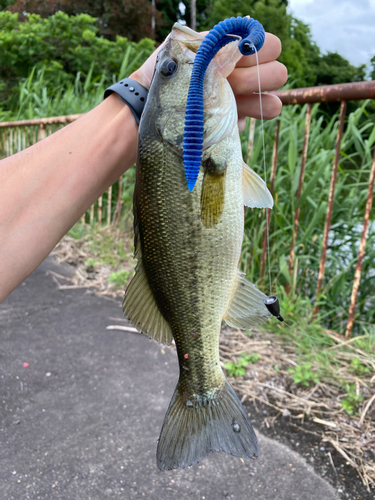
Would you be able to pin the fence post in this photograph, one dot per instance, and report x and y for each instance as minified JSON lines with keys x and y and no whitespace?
{"x":42,"y":132}
{"x":268,"y":211}
{"x":299,"y":192}
{"x":109,"y":205}
{"x":119,"y":200}
{"x":92,"y":214}
{"x":361,"y":253}
{"x":251,"y":139}
{"x":100,"y":206}
{"x":331,"y":199}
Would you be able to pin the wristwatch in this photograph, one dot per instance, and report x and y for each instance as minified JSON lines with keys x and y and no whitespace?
{"x":132,"y":93}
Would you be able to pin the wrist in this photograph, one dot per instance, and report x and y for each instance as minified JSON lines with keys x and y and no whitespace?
{"x":132,"y":93}
{"x":139,"y":77}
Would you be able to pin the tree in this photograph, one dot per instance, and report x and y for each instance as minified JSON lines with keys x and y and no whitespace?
{"x":179,"y":10}
{"x":64,"y":48}
{"x":129,"y":18}
{"x":202,"y":10}
{"x":301,"y":55}
{"x":170,"y":13}
{"x":5,"y":3}
{"x":372,"y":62}
{"x":333,"y":68}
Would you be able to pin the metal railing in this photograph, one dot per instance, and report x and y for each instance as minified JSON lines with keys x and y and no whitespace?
{"x":329,"y":93}
{"x":17,"y":135}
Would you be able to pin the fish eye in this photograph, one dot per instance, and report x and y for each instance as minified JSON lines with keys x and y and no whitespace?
{"x":168,"y":67}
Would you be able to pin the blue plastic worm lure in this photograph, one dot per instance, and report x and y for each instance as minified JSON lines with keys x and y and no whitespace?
{"x":252,"y":34}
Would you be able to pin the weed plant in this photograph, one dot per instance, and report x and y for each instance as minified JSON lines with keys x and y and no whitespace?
{"x":238,"y":369}
{"x":347,"y":221}
{"x":36,"y":99}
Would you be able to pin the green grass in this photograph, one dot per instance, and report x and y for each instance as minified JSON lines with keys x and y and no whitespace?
{"x":319,"y":358}
{"x":304,"y":374}
{"x":350,"y":200}
{"x":302,"y":332}
{"x":119,"y":278}
{"x":108,"y":246}
{"x":237,"y":369}
{"x":40,"y":95}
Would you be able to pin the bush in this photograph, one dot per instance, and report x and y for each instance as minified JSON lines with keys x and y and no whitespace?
{"x":63,"y":46}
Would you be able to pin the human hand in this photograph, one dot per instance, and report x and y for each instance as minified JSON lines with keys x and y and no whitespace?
{"x":244,"y":80}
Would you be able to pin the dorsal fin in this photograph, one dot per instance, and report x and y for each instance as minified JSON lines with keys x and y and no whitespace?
{"x":254,"y":189}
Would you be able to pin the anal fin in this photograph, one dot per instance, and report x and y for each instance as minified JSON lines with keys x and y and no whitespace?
{"x":141,"y":310}
{"x":246,"y":309}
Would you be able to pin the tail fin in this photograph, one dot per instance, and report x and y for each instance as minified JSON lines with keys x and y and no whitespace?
{"x":191,"y":431}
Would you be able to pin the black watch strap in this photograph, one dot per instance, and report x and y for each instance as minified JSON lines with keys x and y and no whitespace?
{"x":132,"y":93}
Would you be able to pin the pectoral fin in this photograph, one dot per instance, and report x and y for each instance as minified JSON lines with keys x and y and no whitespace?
{"x":212,"y":197}
{"x":246,"y":308}
{"x":254,"y":189}
{"x":141,"y":310}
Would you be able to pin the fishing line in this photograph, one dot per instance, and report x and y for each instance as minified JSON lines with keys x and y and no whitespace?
{"x":271,"y":302}
{"x":264,"y":169}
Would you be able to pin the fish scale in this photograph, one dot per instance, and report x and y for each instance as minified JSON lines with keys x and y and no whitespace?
{"x":185,"y":285}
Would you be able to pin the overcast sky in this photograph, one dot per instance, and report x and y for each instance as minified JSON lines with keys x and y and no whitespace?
{"x":343,"y":26}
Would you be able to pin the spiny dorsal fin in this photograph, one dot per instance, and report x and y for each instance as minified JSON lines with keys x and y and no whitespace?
{"x":254,"y":189}
{"x":141,"y":310}
{"x":246,"y":309}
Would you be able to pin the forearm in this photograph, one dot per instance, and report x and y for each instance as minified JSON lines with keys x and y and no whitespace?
{"x":46,"y":188}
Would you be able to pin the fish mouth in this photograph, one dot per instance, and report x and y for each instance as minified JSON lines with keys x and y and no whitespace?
{"x":187,"y":31}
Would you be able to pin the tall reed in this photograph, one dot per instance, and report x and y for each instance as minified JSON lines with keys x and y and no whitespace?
{"x":347,"y":220}
{"x":37,"y":99}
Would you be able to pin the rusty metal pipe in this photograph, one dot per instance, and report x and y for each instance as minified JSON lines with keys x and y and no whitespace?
{"x":119,"y":200}
{"x":329,"y":93}
{"x":109,"y":205}
{"x":251,"y":139}
{"x":330,"y":203}
{"x":299,"y":192}
{"x":100,"y":210}
{"x":41,"y":121}
{"x":361,"y":253}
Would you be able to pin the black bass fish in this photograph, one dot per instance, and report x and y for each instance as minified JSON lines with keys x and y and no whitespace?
{"x":188,"y":246}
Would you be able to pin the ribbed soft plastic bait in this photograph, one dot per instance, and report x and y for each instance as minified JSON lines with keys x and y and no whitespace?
{"x":252,"y":34}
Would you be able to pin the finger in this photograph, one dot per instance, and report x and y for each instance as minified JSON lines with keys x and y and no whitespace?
{"x":250,"y":106}
{"x":269,"y":52}
{"x":241,"y":124}
{"x":273,"y":75}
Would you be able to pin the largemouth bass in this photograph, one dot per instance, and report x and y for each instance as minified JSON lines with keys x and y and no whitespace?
{"x":188,"y":246}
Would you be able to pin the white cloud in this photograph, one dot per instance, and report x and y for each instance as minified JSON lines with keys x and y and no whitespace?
{"x":343,"y":26}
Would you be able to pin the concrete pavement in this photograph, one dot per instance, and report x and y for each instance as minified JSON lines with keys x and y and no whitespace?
{"x":81,"y":421}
